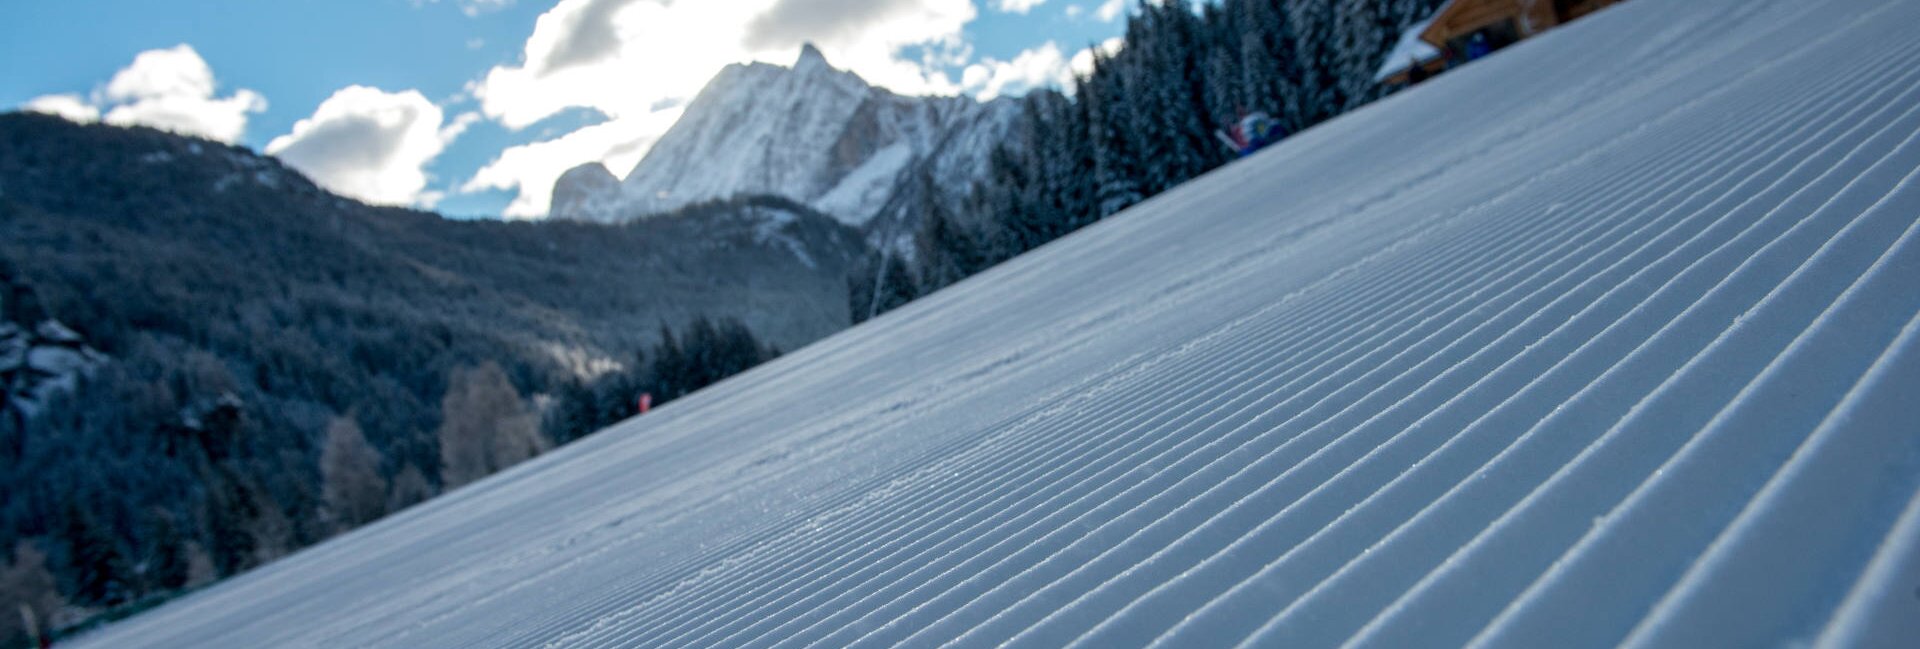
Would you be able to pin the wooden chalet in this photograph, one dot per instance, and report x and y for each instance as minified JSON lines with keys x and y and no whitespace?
{"x":1448,"y":38}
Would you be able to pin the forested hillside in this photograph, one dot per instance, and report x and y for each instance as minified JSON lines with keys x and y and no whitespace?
{"x":283,"y":364}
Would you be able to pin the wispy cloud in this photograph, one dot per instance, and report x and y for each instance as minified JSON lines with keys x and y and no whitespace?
{"x":1017,"y":6}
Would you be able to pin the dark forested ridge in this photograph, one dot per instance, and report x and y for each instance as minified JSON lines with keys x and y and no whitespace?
{"x":1142,"y":122}
{"x":284,"y":364}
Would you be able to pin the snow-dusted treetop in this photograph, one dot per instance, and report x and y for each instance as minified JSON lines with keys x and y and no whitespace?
{"x":1610,"y":338}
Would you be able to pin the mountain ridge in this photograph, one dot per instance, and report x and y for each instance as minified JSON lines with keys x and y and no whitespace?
{"x":807,"y":132}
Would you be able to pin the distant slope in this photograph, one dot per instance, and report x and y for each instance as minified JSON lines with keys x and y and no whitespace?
{"x":1610,"y":338}
{"x":809,"y":133}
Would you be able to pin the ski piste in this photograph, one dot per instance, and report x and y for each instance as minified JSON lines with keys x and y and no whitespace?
{"x":1609,"y":338}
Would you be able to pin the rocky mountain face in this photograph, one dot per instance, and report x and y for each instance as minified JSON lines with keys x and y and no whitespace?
{"x":808,"y":133}
{"x":40,"y":357}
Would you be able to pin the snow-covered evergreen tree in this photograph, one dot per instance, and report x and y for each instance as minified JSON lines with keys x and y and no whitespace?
{"x":1116,"y":161}
{"x":1319,"y":94}
{"x":1270,"y":69}
{"x":1360,"y":38}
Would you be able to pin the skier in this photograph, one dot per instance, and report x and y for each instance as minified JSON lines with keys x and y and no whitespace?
{"x":1478,"y":47}
{"x":1251,"y":133}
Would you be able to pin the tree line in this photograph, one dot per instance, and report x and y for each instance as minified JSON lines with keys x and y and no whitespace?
{"x":703,"y":353}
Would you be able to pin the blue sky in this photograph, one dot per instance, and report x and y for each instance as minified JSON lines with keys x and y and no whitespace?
{"x":466,"y":105}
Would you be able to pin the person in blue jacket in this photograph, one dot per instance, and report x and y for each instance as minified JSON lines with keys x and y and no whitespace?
{"x":1478,"y":47}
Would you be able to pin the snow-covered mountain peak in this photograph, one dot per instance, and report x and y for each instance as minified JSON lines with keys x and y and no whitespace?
{"x":584,"y":189}
{"x":810,"y":133}
{"x":811,"y":59}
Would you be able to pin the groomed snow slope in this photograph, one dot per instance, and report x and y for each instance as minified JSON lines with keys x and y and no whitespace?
{"x":1613,"y":337}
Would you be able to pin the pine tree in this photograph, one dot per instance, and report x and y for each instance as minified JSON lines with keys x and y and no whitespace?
{"x":1080,"y":198}
{"x":1180,"y":89}
{"x":1319,"y":94}
{"x":1031,"y":216}
{"x":1223,"y":87}
{"x":670,"y":365}
{"x":1360,"y":38}
{"x":168,"y":566}
{"x":897,"y":287}
{"x":948,"y":252}
{"x":226,"y":510}
{"x":1270,"y":63}
{"x":1116,"y":162}
{"x":575,"y":412}
{"x":98,"y":569}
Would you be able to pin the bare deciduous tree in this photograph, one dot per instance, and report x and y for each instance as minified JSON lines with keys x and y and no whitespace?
{"x":28,"y":596}
{"x":409,"y":488}
{"x":200,"y":569}
{"x":485,"y":426}
{"x":355,"y":491}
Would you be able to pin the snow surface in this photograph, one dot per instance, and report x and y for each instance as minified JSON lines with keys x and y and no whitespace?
{"x":1610,"y":338}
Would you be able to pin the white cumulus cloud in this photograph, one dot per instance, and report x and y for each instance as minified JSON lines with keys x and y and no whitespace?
{"x":1017,"y":6}
{"x":171,"y":89}
{"x":1110,"y":10}
{"x":638,"y":61}
{"x":371,"y":144}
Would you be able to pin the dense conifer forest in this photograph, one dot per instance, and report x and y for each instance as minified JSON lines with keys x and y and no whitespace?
{"x":1142,"y":122}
